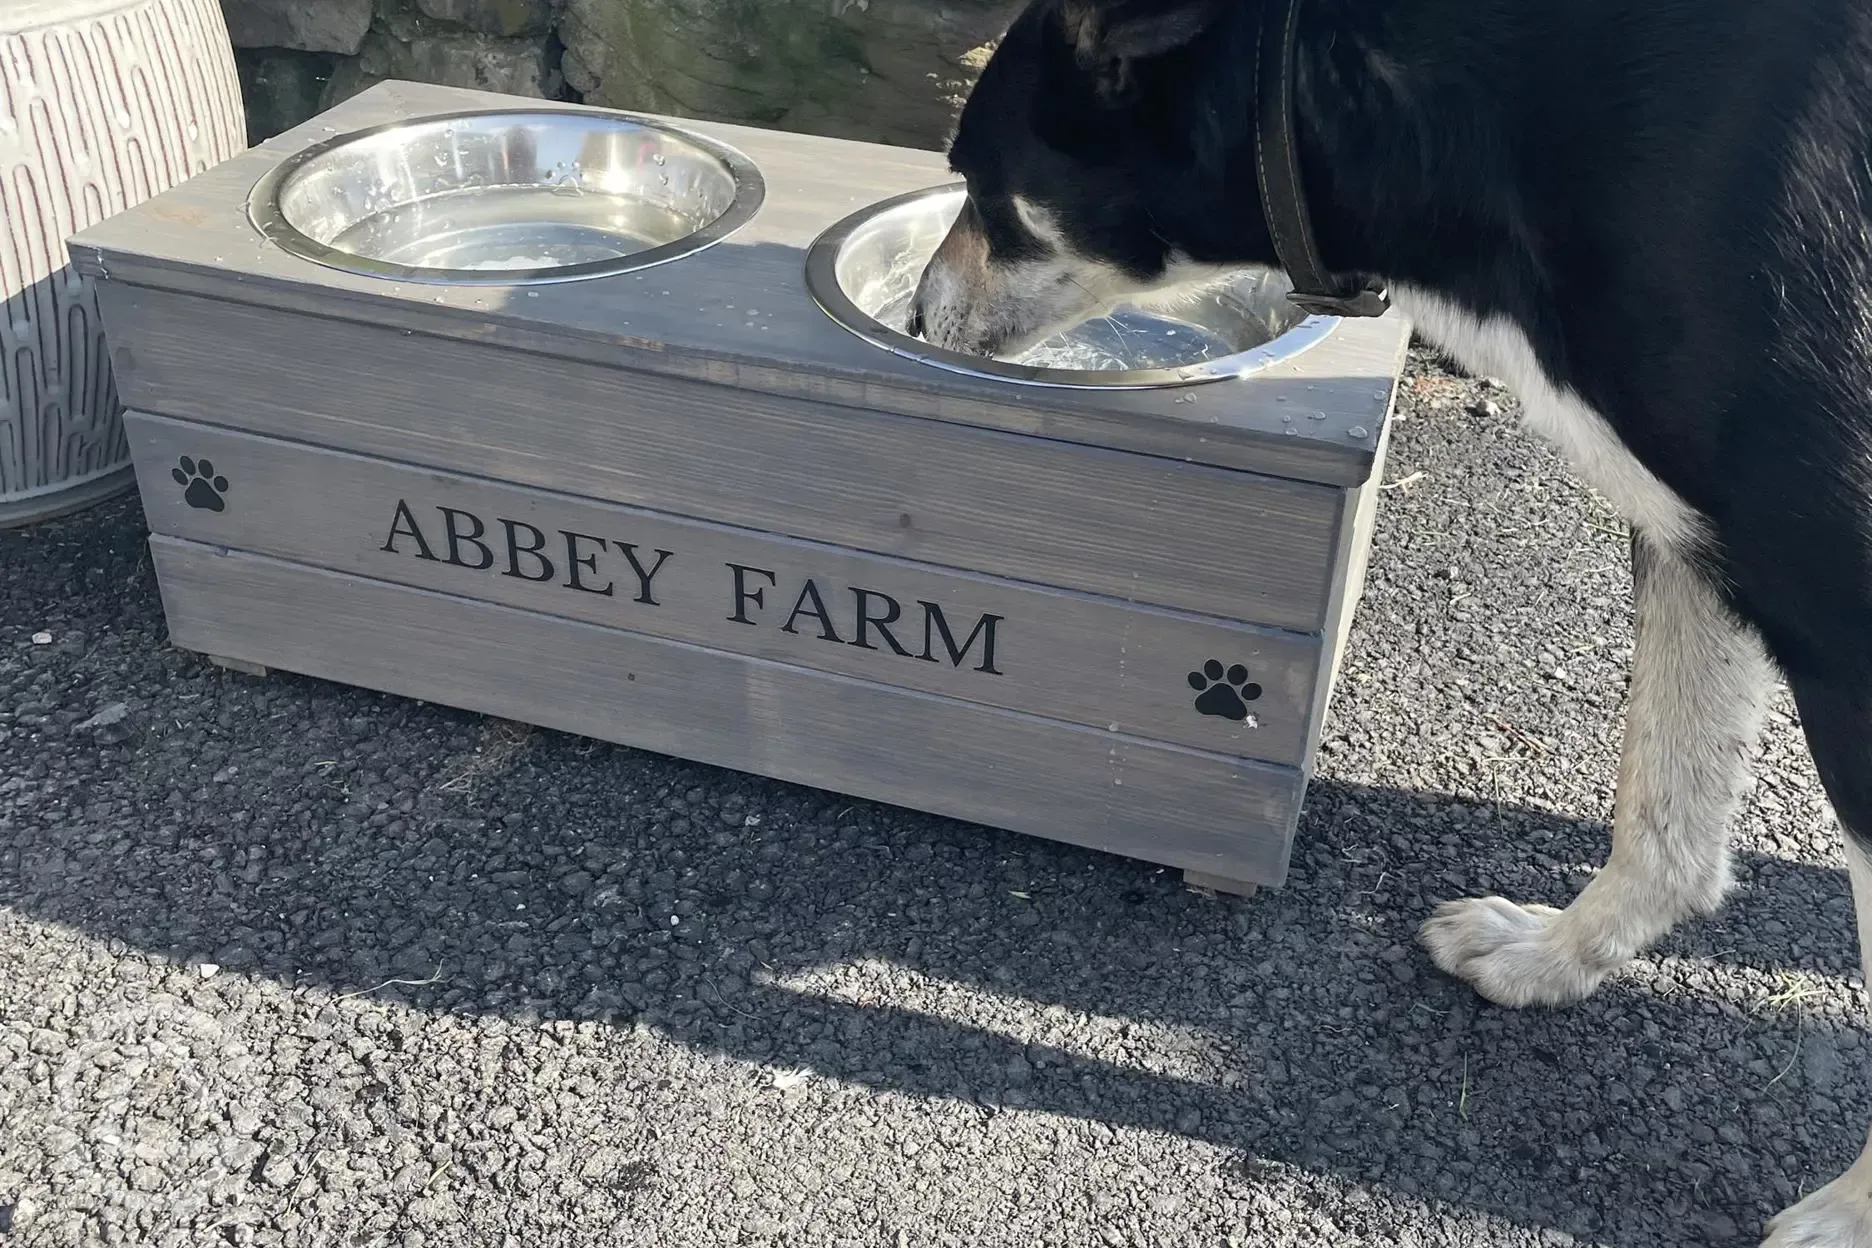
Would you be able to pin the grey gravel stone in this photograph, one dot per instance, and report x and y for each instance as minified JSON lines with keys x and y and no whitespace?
{"x":463,"y":1018}
{"x":107,"y":716}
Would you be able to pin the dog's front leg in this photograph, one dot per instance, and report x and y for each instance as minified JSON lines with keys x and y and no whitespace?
{"x":1835,"y":699}
{"x":1698,"y":690}
{"x":1841,"y":1213}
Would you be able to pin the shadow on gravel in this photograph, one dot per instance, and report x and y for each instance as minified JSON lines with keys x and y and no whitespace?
{"x":335,"y":840}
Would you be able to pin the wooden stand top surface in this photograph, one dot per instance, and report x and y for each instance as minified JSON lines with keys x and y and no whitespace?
{"x":1314,"y":417}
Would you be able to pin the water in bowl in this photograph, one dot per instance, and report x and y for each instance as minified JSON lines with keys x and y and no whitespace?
{"x":514,"y":227}
{"x":1127,"y":339}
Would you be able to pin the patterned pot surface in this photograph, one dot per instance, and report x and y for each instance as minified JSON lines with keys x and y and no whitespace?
{"x":103,"y":104}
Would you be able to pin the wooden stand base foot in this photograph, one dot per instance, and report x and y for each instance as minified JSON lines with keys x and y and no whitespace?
{"x":1213,"y":884}
{"x":237,"y":665}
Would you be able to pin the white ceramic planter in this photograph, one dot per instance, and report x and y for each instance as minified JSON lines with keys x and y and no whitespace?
{"x":103,"y":104}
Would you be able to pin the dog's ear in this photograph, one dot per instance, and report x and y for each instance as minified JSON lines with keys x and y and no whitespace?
{"x":1107,"y":34}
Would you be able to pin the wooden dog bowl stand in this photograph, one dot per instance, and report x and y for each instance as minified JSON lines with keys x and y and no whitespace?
{"x":684,"y":510}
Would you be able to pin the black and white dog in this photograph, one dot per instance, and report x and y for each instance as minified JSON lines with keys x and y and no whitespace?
{"x":1653,"y":218}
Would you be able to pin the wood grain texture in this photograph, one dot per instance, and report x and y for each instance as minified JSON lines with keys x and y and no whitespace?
{"x":1060,"y":655}
{"x":1183,"y":808}
{"x":739,"y":314}
{"x":1135,"y":527}
{"x":103,"y":104}
{"x":1348,"y":588}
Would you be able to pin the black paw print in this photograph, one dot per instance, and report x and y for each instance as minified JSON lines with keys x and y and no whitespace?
{"x":201,"y":488}
{"x":1223,"y":692}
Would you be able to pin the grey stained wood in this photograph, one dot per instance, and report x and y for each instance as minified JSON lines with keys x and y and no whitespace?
{"x":1053,"y":653}
{"x":1186,"y":536}
{"x":1349,"y":567}
{"x":691,"y":319}
{"x":1184,"y":808}
{"x":376,"y":474}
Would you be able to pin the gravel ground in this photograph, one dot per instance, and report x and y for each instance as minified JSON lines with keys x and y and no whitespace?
{"x":286,"y":963}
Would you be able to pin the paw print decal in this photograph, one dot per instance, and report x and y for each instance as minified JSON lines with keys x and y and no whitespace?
{"x":1223,"y":692}
{"x":200,"y":487}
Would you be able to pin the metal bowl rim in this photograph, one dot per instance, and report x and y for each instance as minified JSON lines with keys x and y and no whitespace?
{"x":264,"y":211}
{"x":822,"y":282}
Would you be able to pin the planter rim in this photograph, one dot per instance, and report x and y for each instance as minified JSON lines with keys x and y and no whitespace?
{"x":21,"y":16}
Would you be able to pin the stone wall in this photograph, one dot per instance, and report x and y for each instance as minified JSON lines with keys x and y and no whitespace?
{"x":890,"y":71}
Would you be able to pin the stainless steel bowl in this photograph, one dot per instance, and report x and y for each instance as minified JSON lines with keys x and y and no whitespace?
{"x":864,"y":271}
{"x":504,"y":198}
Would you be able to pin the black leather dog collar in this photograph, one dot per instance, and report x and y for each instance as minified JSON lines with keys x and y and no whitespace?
{"x":1277,"y":166}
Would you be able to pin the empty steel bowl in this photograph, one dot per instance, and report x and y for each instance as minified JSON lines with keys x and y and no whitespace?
{"x":864,"y":272}
{"x":506,"y":197}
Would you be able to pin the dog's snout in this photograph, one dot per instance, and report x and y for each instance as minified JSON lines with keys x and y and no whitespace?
{"x":914,"y":325}
{"x":951,"y":284}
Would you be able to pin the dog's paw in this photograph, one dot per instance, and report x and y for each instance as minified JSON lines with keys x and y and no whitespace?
{"x":1513,"y":955}
{"x":1839,"y":1215}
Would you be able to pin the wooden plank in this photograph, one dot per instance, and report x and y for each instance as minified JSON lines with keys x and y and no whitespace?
{"x":1211,"y":885}
{"x":1130,"y":526}
{"x":1166,"y":804}
{"x":692,"y":318}
{"x":1349,"y":568}
{"x":1053,"y":653}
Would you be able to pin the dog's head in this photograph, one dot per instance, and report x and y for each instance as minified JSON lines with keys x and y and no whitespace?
{"x":1107,"y":148}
